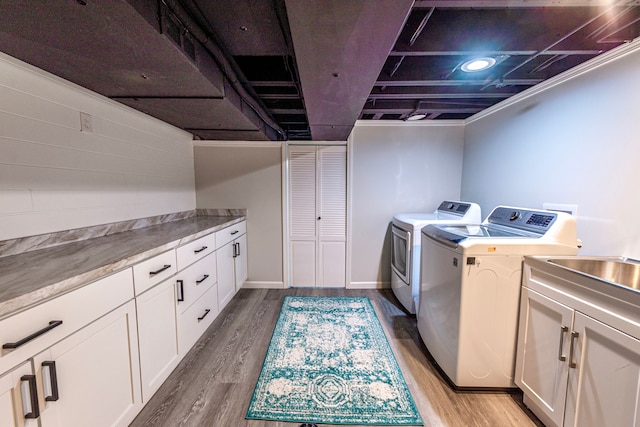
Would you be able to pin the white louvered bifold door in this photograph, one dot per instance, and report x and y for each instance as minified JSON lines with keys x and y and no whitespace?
{"x":332,"y":208}
{"x":302,"y":215}
{"x":317,"y":215}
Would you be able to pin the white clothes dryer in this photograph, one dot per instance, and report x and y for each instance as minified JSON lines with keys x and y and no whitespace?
{"x":405,"y":245}
{"x":470,"y":290}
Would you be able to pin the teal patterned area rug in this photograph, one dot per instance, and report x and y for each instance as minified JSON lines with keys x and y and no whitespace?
{"x":329,"y":362}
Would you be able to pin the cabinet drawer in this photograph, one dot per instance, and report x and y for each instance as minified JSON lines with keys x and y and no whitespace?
{"x":193,"y":322}
{"x":154,"y":270}
{"x":195,"y":280}
{"x":191,"y":252}
{"x":226,"y":235}
{"x":75,"y":309}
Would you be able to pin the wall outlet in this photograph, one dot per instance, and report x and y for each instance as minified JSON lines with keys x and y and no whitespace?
{"x":86,"y":122}
{"x":559,"y":207}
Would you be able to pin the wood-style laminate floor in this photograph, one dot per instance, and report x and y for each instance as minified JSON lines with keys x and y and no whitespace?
{"x":213,"y":384}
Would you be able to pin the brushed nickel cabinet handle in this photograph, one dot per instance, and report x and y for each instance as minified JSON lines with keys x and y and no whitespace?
{"x":563,"y":331}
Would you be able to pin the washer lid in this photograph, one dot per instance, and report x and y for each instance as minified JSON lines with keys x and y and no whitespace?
{"x":458,"y":233}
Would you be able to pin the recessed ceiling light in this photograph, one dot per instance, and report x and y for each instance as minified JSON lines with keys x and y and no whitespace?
{"x":478,"y":64}
{"x":418,"y":116}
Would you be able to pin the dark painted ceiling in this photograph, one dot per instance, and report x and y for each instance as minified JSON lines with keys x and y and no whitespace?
{"x":308,"y":69}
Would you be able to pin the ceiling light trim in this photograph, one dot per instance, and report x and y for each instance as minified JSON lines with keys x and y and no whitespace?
{"x":414,"y":117}
{"x":476,"y":65}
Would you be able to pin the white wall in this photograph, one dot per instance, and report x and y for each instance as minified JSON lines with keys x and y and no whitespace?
{"x":54,"y":177}
{"x":247,"y":176}
{"x":396,"y":167}
{"x":574,"y":143}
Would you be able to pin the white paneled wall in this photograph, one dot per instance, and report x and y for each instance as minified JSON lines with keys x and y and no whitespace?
{"x":55,"y":176}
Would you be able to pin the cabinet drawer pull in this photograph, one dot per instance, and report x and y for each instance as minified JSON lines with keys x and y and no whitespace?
{"x":29,"y":392}
{"x":180,"y":292}
{"x":14,"y":345}
{"x":204,"y":315}
{"x":205,"y":277}
{"x":238,"y":248}
{"x":197,"y":251}
{"x":235,"y":250}
{"x":50,"y":381}
{"x":235,"y":232}
{"x":164,"y":267}
{"x":574,"y":336}
{"x":563,"y":331}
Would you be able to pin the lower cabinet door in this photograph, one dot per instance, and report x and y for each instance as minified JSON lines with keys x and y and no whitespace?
{"x":542,"y":357}
{"x":226,"y":274}
{"x":604,"y":386}
{"x":157,"y":336}
{"x":93,"y":376}
{"x":17,"y":392}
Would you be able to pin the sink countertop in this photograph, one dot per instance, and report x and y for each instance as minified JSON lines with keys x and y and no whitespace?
{"x":33,"y":277}
{"x":617,"y":306}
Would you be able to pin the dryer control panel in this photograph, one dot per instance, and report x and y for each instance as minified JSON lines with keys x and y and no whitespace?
{"x":524,"y":219}
{"x":457,"y":208}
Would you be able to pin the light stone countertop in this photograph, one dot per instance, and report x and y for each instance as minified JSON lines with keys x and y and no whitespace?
{"x":34,"y":277}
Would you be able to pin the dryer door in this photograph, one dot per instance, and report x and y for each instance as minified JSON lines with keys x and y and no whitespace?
{"x":401,"y":252}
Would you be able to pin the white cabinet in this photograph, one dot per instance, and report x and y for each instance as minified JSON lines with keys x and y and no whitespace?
{"x":542,"y":366}
{"x":604,"y":386}
{"x":157,"y":335}
{"x":240,"y":261}
{"x":97,"y":374}
{"x":231,"y":257}
{"x":154,"y":270}
{"x":317,"y":215}
{"x":85,"y":361}
{"x":94,"y":355}
{"x":17,"y":388}
{"x":575,"y":369}
{"x":193,"y":251}
{"x":197,"y":301}
{"x":166,"y":333}
{"x":196,"y":319}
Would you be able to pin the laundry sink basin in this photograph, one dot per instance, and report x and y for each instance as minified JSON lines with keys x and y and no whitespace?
{"x":616,"y":270}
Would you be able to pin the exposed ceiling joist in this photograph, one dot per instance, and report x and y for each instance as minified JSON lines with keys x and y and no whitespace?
{"x":307,"y":70}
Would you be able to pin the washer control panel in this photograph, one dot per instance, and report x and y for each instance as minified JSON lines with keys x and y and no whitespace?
{"x":534,"y":221}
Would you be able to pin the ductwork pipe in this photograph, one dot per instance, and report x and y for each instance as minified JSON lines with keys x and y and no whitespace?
{"x":227,"y":65}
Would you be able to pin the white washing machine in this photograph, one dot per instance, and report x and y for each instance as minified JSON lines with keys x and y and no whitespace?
{"x":470,"y":290}
{"x":405,"y":245}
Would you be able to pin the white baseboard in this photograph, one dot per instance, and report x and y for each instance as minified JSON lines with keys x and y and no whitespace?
{"x":263,"y":285}
{"x":369,"y":285}
{"x":280,"y":285}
